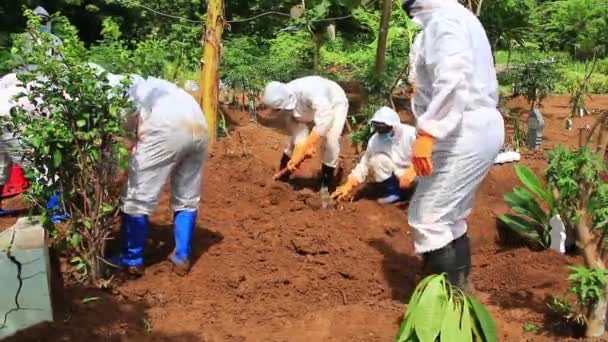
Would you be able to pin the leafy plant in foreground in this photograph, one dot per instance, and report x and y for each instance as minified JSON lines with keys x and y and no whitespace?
{"x":438,"y":311}
{"x":71,"y":147}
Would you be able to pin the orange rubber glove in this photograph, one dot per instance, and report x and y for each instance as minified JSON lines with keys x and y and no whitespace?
{"x":304,"y":151}
{"x":345,"y":192}
{"x":405,"y":181}
{"x":421,"y":158}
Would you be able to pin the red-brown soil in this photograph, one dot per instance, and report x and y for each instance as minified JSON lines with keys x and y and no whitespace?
{"x":270,"y":265}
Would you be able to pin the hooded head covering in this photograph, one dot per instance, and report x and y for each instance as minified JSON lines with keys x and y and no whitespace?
{"x":45,"y":16}
{"x":278,"y":95}
{"x":41,"y":12}
{"x":387,"y":116}
{"x":423,"y":8}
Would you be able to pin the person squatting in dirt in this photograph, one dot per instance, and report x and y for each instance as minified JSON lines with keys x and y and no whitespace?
{"x":387,"y":160}
{"x":172,"y":139}
{"x":459,"y":131}
{"x":313,"y":101}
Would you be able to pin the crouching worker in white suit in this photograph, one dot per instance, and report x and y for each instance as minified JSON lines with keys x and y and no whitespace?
{"x":387,"y":160}
{"x":317,"y":102}
{"x":459,"y":132}
{"x":172,"y":139}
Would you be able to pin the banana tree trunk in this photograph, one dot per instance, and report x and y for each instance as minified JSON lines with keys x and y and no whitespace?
{"x":210,"y":77}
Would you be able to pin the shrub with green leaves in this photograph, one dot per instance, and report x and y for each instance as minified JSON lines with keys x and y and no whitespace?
{"x":70,"y":142}
{"x":568,"y":170}
{"x":587,"y":284}
{"x":438,"y":311}
{"x":534,"y":80}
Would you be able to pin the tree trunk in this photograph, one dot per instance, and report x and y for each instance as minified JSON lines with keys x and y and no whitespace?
{"x":596,"y":324}
{"x":596,"y":315}
{"x":210,"y":77}
{"x":387,"y":6}
{"x":478,"y":10}
{"x":317,"y":38}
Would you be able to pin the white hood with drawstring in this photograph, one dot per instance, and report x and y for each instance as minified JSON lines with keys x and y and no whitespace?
{"x":384,"y":157}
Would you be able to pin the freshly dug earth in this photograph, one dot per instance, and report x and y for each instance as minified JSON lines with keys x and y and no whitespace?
{"x":270,"y":265}
{"x":12,"y":203}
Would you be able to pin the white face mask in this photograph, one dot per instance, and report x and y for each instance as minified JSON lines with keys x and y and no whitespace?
{"x":386,"y":138}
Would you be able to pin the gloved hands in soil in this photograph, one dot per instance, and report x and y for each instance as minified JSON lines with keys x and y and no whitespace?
{"x":304,"y":151}
{"x":421,"y":157}
{"x":408,"y":177}
{"x":346,"y":191}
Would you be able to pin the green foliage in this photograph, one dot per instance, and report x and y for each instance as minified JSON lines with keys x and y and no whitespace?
{"x":563,"y":313}
{"x":579,"y":27}
{"x":532,"y":223}
{"x":569,"y":172}
{"x":534,"y":79}
{"x":290,"y":56}
{"x":169,"y":57}
{"x":508,"y":23}
{"x":70,"y":146}
{"x":529,"y":327}
{"x":364,"y":131}
{"x":438,"y":311}
{"x":587,"y":284}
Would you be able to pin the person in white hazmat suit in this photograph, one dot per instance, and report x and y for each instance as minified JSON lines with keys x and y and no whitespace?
{"x":10,"y":148}
{"x":387,"y":160}
{"x":315,"y":101}
{"x":459,"y":131}
{"x":172,"y":139}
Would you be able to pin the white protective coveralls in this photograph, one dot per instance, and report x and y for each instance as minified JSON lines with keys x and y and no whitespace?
{"x":10,"y":150}
{"x":383,"y":158}
{"x":314,"y":100}
{"x":172,"y":140}
{"x":455,"y":72}
{"x":413,"y":57}
{"x":9,"y":80}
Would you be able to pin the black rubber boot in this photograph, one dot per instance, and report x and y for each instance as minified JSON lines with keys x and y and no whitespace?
{"x":454,"y":260}
{"x":284,"y":160}
{"x":462,"y":245}
{"x":328,"y":177}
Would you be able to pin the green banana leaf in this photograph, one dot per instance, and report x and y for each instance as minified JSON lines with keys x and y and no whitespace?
{"x":525,"y":228}
{"x":530,"y":180}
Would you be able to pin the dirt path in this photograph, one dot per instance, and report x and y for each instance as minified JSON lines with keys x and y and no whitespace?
{"x":270,"y":265}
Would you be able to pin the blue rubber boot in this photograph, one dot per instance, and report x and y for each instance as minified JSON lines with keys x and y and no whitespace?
{"x":185,"y":221}
{"x":54,"y":208}
{"x":133,"y":234}
{"x":390,"y":191}
{"x":5,"y":212}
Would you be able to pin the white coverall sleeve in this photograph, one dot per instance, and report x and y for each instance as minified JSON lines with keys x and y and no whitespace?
{"x":324,"y":116}
{"x":361,"y":171}
{"x":448,"y":55}
{"x":413,"y":58}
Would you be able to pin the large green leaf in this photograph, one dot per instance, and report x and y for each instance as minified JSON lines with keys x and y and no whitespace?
{"x":522,"y":202}
{"x":430,"y":310}
{"x":466,"y":333}
{"x":484,"y":320}
{"x":527,"y":176}
{"x":407,"y":325}
{"x":522,"y":227}
{"x":449,"y":326}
